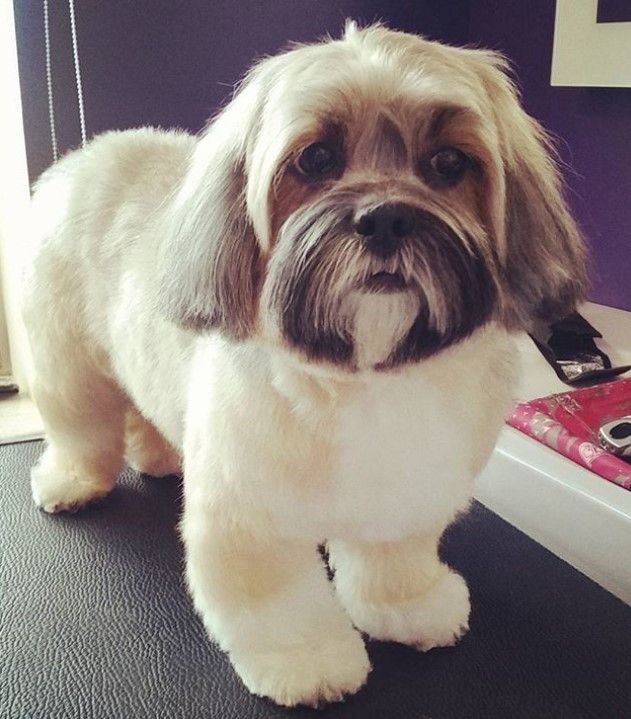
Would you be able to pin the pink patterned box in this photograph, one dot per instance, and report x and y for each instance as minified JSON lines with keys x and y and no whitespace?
{"x":569,"y":422}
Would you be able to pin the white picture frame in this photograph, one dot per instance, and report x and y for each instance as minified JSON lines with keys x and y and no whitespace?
{"x":587,"y":53}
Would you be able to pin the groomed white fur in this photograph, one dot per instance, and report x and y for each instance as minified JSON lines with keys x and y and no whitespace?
{"x":280,"y":453}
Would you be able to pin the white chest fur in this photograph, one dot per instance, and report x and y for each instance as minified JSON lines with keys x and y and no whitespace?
{"x":378,"y":457}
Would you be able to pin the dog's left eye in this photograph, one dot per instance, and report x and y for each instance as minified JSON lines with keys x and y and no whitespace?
{"x":447,"y":166}
{"x":317,"y":160}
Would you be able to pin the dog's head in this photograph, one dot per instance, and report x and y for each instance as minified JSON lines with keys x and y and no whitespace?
{"x":369,"y":201}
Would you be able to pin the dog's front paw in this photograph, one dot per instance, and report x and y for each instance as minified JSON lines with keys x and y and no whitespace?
{"x":309,"y":674}
{"x":437,"y":618}
{"x":56,"y":487}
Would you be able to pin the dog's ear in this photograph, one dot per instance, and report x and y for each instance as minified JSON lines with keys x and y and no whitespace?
{"x":543,"y":258}
{"x":209,"y":258}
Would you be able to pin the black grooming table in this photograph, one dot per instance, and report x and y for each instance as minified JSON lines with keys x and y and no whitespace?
{"x":95,"y":622}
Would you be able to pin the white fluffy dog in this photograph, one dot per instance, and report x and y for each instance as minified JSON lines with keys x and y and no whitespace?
{"x":310,"y":305}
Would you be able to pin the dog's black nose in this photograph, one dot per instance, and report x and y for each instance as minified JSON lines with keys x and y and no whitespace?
{"x":384,"y":227}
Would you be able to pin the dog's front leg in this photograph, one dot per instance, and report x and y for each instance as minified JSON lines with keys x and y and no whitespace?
{"x":401,"y":591}
{"x":268,"y":603}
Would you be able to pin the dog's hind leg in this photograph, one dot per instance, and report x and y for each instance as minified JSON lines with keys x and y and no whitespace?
{"x":83,"y":410}
{"x":146,"y":450}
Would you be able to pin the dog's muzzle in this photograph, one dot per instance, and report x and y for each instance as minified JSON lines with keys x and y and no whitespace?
{"x":383,"y":229}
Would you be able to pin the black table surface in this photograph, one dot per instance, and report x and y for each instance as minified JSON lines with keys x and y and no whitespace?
{"x":95,"y":622}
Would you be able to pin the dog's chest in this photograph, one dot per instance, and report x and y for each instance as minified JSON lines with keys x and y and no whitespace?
{"x":374,"y":457}
{"x":395,"y":457}
{"x":401,"y":457}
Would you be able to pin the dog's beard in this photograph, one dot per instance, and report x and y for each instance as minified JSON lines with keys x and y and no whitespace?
{"x":336,"y":302}
{"x":380,"y":321}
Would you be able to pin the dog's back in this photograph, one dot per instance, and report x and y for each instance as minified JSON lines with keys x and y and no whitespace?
{"x":105,"y":194}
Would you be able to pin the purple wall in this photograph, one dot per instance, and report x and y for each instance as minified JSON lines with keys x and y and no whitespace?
{"x":594,"y":130}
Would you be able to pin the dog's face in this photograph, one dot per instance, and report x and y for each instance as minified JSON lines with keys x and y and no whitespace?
{"x":378,"y":248}
{"x":369,"y":201}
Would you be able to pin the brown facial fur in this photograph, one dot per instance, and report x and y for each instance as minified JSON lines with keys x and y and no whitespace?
{"x":289,"y":194}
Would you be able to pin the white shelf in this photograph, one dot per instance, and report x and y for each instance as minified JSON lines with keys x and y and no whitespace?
{"x":571,"y":511}
{"x":575,"y":514}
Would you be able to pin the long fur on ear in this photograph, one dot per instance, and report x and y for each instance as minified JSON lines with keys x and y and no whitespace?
{"x":209,"y":258}
{"x":545,"y":259}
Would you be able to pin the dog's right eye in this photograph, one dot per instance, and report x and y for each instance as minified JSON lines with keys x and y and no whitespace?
{"x":318,"y":160}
